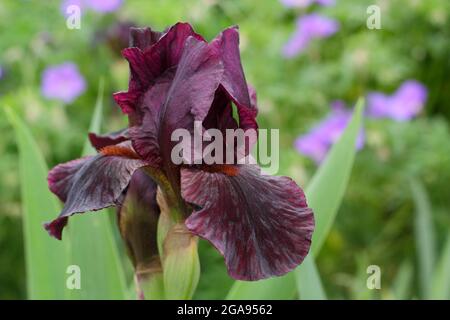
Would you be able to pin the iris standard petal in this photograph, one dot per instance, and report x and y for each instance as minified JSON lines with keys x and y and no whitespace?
{"x":261,"y":224}
{"x":175,"y":100}
{"x":143,"y":38}
{"x":145,"y":137}
{"x":149,"y":59}
{"x":236,"y":90}
{"x":234,"y":79}
{"x":220,"y":115}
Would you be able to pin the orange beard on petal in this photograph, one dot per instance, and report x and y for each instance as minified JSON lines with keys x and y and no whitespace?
{"x":227,"y":169}
{"x":119,"y":151}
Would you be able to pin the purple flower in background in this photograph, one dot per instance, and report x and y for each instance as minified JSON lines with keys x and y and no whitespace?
{"x":63,"y":82}
{"x":104,"y":6}
{"x":403,"y":105}
{"x":67,"y":3}
{"x":296,"y":3}
{"x":101,"y":6}
{"x":326,"y":2}
{"x":306,"y":3}
{"x":309,"y":27}
{"x":316,"y":143}
{"x":312,"y":145}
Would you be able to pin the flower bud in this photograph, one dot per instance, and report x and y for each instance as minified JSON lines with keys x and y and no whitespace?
{"x":178,"y":248}
{"x":149,"y":281}
{"x":137,"y":217}
{"x":181,"y":263}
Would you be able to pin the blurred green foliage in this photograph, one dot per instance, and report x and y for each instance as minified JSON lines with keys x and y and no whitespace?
{"x":376,"y":221}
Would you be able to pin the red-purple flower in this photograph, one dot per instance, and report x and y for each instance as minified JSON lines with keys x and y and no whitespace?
{"x":260,"y":224}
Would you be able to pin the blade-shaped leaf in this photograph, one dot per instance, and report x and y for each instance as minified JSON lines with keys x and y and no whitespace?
{"x":402,"y":282}
{"x":281,"y":288}
{"x":214,"y":281}
{"x":324,"y":195}
{"x":441,"y":278}
{"x":308,"y":280}
{"x":46,"y":259}
{"x":93,"y":245}
{"x":424,"y":234}
{"x":327,"y":188}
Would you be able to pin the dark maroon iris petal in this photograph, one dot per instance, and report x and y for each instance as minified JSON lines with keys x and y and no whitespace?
{"x":141,"y":73}
{"x":191,"y":93}
{"x":60,"y":177}
{"x":55,"y":227}
{"x":167,"y":52}
{"x":233,"y":78}
{"x":261,"y":224}
{"x":253,"y":98}
{"x":99,"y":141}
{"x":143,"y":38}
{"x":127,"y":102}
{"x":233,"y":88}
{"x":173,"y":102}
{"x":220,"y":115}
{"x":149,"y":60}
{"x":89,"y":184}
{"x":145,"y":137}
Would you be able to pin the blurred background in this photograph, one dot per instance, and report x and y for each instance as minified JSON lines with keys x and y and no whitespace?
{"x":309,"y":61}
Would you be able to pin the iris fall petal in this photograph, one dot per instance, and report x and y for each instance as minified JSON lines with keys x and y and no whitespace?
{"x":261,"y":224}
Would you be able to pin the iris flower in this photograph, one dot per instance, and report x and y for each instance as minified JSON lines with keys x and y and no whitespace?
{"x":261,"y":224}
